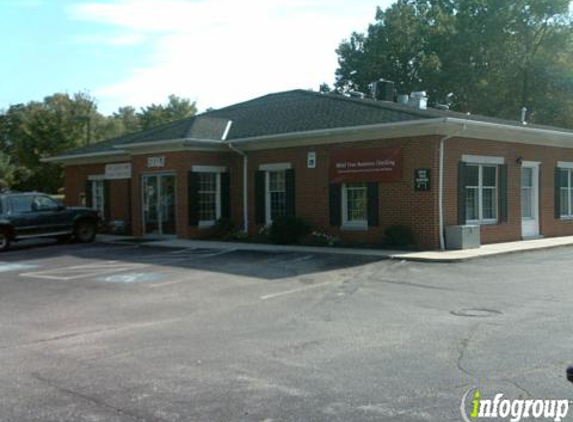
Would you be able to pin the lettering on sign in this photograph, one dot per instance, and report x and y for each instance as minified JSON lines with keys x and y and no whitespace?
{"x":156,"y":162}
{"x":366,"y":165}
{"x":422,"y":180}
{"x":118,"y":171}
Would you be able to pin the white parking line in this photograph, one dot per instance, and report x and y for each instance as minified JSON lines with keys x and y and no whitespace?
{"x":300,"y":289}
{"x":83,"y":271}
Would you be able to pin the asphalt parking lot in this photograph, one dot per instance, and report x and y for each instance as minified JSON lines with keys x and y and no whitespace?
{"x":129,"y":332}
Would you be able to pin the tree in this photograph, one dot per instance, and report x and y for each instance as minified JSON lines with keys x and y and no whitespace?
{"x":128,"y":119}
{"x":32,"y":131}
{"x":7,"y":171}
{"x":176,"y":108}
{"x":493,"y":56}
{"x":60,"y":122}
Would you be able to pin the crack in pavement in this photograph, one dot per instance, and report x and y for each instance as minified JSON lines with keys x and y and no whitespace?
{"x":94,"y":400}
{"x":519,"y":387}
{"x":462,"y":349}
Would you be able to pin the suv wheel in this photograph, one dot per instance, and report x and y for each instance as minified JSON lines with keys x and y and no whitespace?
{"x":85,"y":231}
{"x":4,"y":240}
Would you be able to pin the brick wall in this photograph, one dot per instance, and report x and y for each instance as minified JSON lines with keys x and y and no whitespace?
{"x":511,"y":230}
{"x":399,"y":203}
{"x":75,"y":179}
{"x":180,"y":163}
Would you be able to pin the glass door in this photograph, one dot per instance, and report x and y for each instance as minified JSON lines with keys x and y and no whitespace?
{"x":159,"y":204}
{"x":529,"y":200}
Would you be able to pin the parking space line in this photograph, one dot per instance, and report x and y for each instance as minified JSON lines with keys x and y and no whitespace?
{"x":288,"y":292}
{"x":83,"y":271}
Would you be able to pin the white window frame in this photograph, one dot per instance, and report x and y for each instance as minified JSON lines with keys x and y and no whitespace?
{"x":202,"y":224}
{"x":569,"y":188}
{"x":480,"y":189}
{"x":217,"y":170}
{"x":352,"y":224}
{"x":96,"y":179}
{"x":268,"y":202}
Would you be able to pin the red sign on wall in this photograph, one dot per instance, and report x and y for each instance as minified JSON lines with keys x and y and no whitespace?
{"x":366,"y":165}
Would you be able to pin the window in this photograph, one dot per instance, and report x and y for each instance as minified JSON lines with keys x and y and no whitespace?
{"x":98,"y":196}
{"x":355,"y":205}
{"x":20,"y":204}
{"x":481,"y":193}
{"x":276,"y":195}
{"x":44,"y":203}
{"x":566,"y":186}
{"x":209,"y":198}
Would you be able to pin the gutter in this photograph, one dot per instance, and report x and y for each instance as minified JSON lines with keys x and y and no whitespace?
{"x":337,"y":131}
{"x":441,"y":182}
{"x":58,"y":158}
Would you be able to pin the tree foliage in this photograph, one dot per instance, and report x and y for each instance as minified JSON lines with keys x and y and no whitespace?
{"x":489,"y":57}
{"x":40,"y":129}
{"x":176,"y":108}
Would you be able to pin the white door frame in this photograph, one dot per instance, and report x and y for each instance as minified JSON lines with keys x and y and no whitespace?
{"x":530,"y":226}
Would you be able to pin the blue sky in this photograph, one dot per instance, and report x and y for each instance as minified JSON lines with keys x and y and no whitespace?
{"x":136,"y":52}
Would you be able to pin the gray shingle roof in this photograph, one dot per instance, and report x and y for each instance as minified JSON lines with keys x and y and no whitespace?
{"x":280,"y":113}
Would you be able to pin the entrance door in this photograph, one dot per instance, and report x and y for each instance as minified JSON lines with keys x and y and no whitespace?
{"x":159,"y":204}
{"x":529,"y":199}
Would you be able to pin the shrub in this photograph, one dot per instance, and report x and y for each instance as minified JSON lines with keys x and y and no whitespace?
{"x":223,"y":228}
{"x":288,"y":230}
{"x":399,"y":236}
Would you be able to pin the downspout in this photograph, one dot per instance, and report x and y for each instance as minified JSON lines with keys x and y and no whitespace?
{"x":441,"y":184}
{"x":245,"y":178}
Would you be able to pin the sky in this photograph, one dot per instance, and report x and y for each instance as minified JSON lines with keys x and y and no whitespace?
{"x":137,"y":52}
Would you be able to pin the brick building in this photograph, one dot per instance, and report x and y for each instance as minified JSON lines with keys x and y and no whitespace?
{"x":350,"y":167}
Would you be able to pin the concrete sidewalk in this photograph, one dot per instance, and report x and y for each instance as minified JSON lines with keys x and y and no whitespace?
{"x":425,"y":256}
{"x":487,"y":250}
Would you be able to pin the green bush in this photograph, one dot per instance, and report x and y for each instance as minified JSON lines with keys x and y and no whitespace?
{"x":399,"y":236}
{"x":288,"y":230}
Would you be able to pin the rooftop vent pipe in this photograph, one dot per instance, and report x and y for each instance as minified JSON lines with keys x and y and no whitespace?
{"x":419,"y":100}
{"x":523,"y":116}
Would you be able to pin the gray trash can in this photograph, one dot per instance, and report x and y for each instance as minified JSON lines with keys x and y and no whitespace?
{"x":463,"y":237}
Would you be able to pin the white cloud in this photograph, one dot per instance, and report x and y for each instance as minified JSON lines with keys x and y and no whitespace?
{"x":222,"y":51}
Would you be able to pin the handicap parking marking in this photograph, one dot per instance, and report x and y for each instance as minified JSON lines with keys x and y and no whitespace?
{"x":10,"y":266}
{"x":83,"y":271}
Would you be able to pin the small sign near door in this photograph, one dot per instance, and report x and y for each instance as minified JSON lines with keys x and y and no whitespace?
{"x":156,"y":162}
{"x":118,"y":171}
{"x":422,"y":180}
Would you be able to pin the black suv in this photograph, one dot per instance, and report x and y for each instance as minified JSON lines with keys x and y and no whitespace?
{"x":28,"y":215}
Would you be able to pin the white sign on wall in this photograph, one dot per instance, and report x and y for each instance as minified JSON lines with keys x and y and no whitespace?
{"x":118,"y":171}
{"x":156,"y":162}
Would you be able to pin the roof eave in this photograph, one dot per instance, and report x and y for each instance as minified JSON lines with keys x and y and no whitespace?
{"x":63,"y":159}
